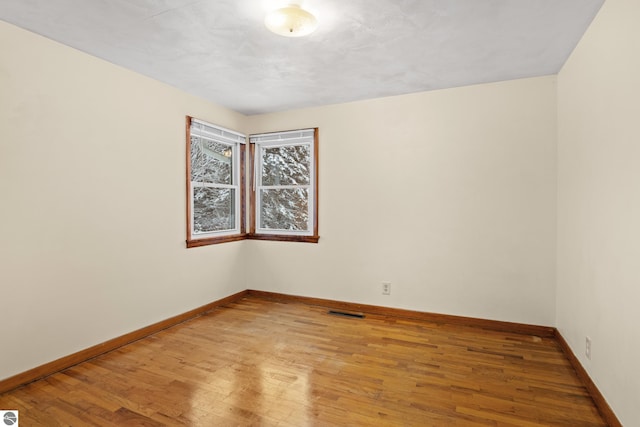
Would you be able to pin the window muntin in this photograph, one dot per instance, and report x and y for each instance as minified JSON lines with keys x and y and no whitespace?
{"x":285,"y":195}
{"x":215,"y":192}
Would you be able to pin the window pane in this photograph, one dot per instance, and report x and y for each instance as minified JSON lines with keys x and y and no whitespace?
{"x":213,"y":209}
{"x":211,"y":162}
{"x":289,"y":165}
{"x":284,"y":209}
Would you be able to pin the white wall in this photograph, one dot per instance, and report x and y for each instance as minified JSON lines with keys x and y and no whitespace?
{"x":599,"y":204}
{"x":92,"y":203}
{"x":450,"y":195}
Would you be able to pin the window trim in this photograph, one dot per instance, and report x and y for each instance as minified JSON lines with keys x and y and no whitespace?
{"x":193,"y":241}
{"x":284,"y":237}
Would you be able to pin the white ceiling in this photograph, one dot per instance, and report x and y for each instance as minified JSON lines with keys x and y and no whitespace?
{"x":221,"y":51}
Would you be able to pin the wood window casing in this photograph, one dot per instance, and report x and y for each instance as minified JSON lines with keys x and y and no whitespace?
{"x":241,"y":211}
{"x":192,"y":240}
{"x":313,"y":237}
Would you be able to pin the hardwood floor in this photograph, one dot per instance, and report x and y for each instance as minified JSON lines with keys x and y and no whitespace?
{"x":259,"y":362}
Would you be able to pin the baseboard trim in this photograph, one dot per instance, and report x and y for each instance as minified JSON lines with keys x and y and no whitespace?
{"x":601,"y":403}
{"x":107,"y":346}
{"x":494,"y":325}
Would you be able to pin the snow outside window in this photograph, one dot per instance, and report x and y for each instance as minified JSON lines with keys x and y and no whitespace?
{"x":215,"y":182}
{"x":284,"y":187}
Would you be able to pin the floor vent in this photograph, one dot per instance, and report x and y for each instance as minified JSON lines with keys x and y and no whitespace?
{"x":346,"y":314}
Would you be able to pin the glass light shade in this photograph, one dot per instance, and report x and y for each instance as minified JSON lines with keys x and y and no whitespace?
{"x":291,"y":21}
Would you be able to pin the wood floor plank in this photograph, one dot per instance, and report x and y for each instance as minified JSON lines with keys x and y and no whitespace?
{"x":260,"y":362}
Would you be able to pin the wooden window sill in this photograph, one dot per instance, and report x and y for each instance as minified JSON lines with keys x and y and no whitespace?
{"x":215,"y":240}
{"x":283,"y":238}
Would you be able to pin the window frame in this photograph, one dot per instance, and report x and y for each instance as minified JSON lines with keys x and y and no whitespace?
{"x":239,"y":175}
{"x":310,"y":236}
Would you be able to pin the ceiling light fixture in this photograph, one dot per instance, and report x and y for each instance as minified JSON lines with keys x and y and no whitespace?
{"x":291,"y":21}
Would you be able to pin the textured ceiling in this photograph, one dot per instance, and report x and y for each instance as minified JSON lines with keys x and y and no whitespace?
{"x":221,"y":51}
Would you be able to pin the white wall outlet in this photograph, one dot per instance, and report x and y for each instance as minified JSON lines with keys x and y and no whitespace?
{"x":587,"y":347}
{"x":386,"y":288}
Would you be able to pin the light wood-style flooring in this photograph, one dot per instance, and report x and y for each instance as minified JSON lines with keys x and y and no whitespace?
{"x":264,"y":363}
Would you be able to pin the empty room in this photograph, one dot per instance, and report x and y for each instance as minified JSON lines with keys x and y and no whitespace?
{"x":319,"y":212}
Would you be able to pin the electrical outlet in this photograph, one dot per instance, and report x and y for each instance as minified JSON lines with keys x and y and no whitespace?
{"x":587,"y":347}
{"x":386,"y":288}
